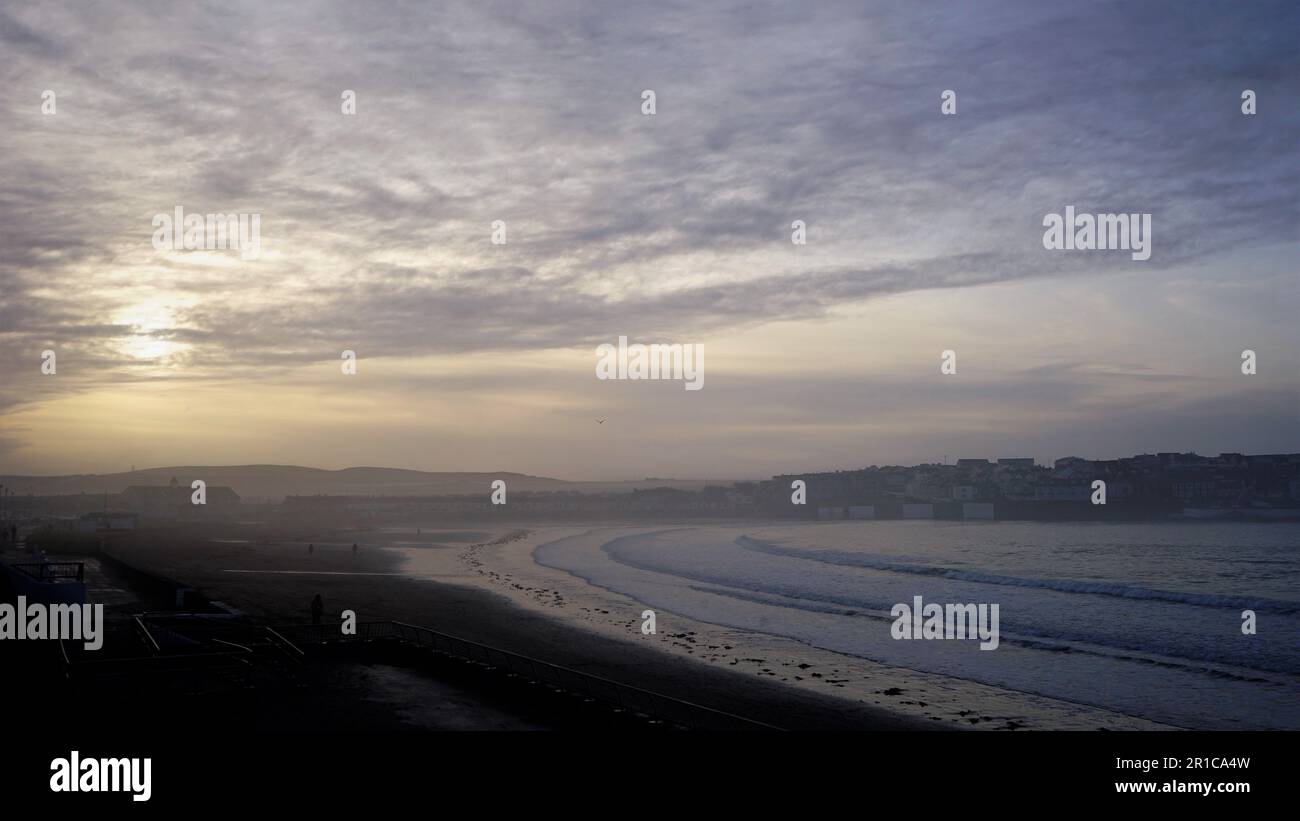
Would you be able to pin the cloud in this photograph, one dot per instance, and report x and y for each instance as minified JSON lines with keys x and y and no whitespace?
{"x":376,"y":226}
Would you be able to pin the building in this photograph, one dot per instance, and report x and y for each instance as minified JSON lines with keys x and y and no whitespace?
{"x":1016,"y":462}
{"x":1071,"y":467}
{"x":176,"y":501}
{"x":1062,"y":492}
{"x":106,"y":521}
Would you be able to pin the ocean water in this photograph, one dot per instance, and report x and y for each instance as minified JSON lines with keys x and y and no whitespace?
{"x":1142,"y":619}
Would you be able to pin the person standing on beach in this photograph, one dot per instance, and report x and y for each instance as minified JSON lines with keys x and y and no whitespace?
{"x":354,"y":548}
{"x":317,"y":609}
{"x":311,"y":548}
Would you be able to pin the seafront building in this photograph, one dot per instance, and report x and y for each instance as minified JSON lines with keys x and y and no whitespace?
{"x":1160,"y":485}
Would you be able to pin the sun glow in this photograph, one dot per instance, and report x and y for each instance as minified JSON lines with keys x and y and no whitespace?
{"x":144,"y":332}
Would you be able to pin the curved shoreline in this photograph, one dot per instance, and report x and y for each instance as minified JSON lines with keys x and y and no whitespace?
{"x":944,"y":701}
{"x":494,"y":593}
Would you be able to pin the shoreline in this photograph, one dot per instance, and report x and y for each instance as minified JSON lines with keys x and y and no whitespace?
{"x":485,"y":587}
{"x":936,"y":700}
{"x":495,"y":620}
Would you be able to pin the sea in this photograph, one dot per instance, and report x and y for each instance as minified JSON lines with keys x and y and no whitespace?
{"x":1192,"y":625}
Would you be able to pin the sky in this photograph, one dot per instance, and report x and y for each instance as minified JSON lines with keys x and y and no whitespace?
{"x":924,"y":233}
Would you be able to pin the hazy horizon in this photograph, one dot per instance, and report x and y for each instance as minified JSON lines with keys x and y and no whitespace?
{"x":951,"y":460}
{"x":924,"y":234}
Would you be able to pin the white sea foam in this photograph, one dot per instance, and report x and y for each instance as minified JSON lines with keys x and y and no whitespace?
{"x":1065,"y":585}
{"x":1152,"y":613}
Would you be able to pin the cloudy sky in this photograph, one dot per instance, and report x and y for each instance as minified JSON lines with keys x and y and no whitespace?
{"x":924,"y":233}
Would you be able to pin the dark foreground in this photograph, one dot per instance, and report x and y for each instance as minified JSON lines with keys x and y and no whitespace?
{"x":378,"y":687}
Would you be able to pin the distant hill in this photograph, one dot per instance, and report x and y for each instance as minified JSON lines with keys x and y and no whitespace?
{"x":273,"y":482}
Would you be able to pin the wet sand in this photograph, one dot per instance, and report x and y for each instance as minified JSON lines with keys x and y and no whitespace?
{"x":277,"y":580}
{"x":482,"y":584}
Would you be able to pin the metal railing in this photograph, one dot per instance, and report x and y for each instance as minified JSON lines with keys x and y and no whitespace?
{"x":142,"y":630}
{"x":236,"y":662}
{"x":53,"y":571}
{"x":218,"y":654}
{"x":622,"y":697}
{"x":197,"y":672}
{"x":286,"y":648}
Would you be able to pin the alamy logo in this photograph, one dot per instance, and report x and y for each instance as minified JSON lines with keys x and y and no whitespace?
{"x":1098,"y":232}
{"x":67,"y":622}
{"x":656,"y":361}
{"x":952,"y":621}
{"x":179,"y":231}
{"x":73,"y":774}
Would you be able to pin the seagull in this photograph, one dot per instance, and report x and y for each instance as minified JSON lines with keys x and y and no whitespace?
{"x":600,"y":421}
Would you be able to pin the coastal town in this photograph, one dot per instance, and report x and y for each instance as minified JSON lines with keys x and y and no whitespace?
{"x":1182,"y":486}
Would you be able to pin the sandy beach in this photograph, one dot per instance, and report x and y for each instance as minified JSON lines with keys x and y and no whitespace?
{"x":275,"y":582}
{"x":483,"y":584}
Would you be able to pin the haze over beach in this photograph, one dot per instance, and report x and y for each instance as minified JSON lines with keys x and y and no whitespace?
{"x":375,"y":371}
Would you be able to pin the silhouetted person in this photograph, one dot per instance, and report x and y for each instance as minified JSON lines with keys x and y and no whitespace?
{"x":317,"y":608}
{"x":354,"y":548}
{"x":311,"y":548}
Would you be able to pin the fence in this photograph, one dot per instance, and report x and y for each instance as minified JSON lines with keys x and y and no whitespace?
{"x":618,"y":696}
{"x":53,"y":571}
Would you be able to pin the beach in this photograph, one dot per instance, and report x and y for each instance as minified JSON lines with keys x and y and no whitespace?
{"x":493,"y":585}
{"x":1102,"y":624}
{"x":276,"y":582}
